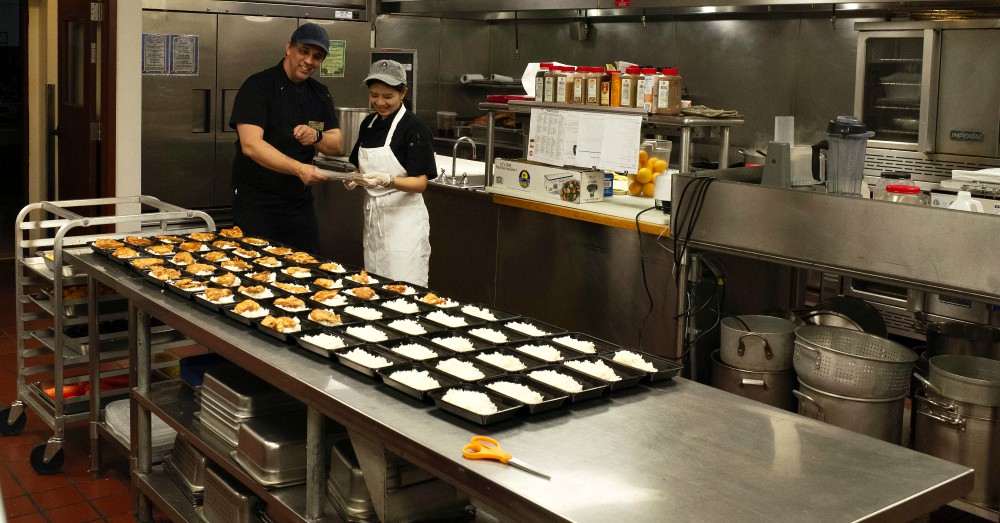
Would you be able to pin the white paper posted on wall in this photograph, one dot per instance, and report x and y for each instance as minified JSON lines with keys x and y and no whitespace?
{"x":606,"y":141}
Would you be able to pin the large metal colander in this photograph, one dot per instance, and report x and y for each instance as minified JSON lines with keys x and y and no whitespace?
{"x":851,"y":363}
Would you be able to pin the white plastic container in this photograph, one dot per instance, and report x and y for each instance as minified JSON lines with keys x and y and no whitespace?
{"x":964,"y":202}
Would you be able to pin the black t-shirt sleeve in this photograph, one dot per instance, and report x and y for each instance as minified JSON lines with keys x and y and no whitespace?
{"x":251,"y":103}
{"x":419,"y":146}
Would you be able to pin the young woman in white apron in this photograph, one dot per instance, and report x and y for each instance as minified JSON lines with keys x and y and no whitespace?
{"x":396,"y":231}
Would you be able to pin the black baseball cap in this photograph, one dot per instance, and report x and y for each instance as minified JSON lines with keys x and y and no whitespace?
{"x":312,"y":34}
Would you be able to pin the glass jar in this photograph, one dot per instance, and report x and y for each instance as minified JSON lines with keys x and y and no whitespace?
{"x":616,"y":88}
{"x":906,"y":194}
{"x":543,"y":68}
{"x":887,"y":179}
{"x":630,"y":81}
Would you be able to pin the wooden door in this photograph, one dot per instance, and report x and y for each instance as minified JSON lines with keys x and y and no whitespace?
{"x":78,"y":124}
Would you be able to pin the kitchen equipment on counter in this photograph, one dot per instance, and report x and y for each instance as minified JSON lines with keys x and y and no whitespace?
{"x":845,"y":143}
{"x":230,"y":396}
{"x":272,"y":449}
{"x":446,"y":123}
{"x":909,"y":194}
{"x":879,"y":418}
{"x":851,"y":363}
{"x":350,"y":122}
{"x":186,"y":467}
{"x":860,"y":312}
{"x":757,"y":343}
{"x":830,"y":319}
{"x":963,"y":433}
{"x":772,"y":387}
{"x":952,"y":337}
{"x":963,"y":202}
{"x":485,"y":447}
{"x":964,"y":378}
{"x":227,"y":500}
{"x":890,"y":178}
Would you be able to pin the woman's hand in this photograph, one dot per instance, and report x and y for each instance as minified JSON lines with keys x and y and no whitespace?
{"x":372,"y":180}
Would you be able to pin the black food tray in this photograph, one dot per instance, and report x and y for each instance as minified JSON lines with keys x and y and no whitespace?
{"x":389,"y":333}
{"x":393,"y":358}
{"x":499,"y":314}
{"x":552,"y":398}
{"x":592,"y":387}
{"x":469,"y":320}
{"x":665,"y":369}
{"x":630,"y":376}
{"x":528,"y":361}
{"x":429,"y":327}
{"x":200,"y":299}
{"x":547,"y":328}
{"x":228,"y":312}
{"x":417,"y":290}
{"x":534,"y":342}
{"x":600,"y":346}
{"x":304,"y":326}
{"x":444,"y":380}
{"x":387,"y":315}
{"x":184,"y":292}
{"x":512,"y":336}
{"x":349,"y":342}
{"x":437,"y":349}
{"x":507,"y":407}
{"x":421,"y":307}
{"x":477,"y":343}
{"x":487,"y":370}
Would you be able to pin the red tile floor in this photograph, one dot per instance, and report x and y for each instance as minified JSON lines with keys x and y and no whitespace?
{"x":73,"y":495}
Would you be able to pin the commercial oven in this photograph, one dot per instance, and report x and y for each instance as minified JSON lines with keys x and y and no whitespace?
{"x":928,"y":91}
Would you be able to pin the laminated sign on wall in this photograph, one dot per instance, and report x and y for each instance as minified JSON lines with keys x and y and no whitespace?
{"x":605,"y":141}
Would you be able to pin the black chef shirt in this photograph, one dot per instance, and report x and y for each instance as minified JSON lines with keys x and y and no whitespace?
{"x":412,"y":143}
{"x":271,"y":101}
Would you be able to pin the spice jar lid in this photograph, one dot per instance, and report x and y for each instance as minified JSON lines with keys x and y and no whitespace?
{"x":903,"y":189}
{"x":632,"y":69}
{"x":648,"y":70}
{"x":670,"y":71}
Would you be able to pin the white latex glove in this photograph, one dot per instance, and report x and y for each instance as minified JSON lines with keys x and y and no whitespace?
{"x":372,"y":180}
{"x":350,"y":184}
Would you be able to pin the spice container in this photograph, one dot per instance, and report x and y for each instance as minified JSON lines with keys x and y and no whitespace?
{"x":907,"y":194}
{"x":887,"y":179}
{"x":549,"y":90}
{"x":616,"y":89}
{"x":668,"y":93}
{"x":593,"y":83}
{"x":543,"y":68}
{"x":649,"y":78}
{"x":579,"y":89}
{"x":563,"y":85}
{"x":630,"y":82}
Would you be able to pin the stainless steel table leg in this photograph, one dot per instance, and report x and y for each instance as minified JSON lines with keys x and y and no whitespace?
{"x":724,"y":149}
{"x":682,"y":275}
{"x":315,"y":464}
{"x":490,"y":135}
{"x":685,"y":161}
{"x":141,"y":420}
{"x":94,"y":362}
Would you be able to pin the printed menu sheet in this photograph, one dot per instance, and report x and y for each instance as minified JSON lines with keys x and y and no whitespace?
{"x":584,"y":139}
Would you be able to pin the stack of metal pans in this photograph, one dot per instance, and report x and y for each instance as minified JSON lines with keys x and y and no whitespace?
{"x":186,"y":467}
{"x":230,"y":396}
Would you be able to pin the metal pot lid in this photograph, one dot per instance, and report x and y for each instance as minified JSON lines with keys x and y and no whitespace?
{"x":862,"y":313}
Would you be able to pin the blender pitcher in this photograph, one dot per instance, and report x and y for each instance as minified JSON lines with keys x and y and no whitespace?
{"x":846,"y":140}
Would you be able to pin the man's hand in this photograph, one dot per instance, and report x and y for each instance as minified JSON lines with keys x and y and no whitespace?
{"x":305,"y":135}
{"x":372,"y":180}
{"x":309,"y":176}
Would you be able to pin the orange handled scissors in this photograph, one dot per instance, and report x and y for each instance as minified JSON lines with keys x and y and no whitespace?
{"x":485,"y":447}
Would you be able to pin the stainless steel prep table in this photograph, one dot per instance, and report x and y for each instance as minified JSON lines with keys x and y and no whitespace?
{"x":673,"y":451}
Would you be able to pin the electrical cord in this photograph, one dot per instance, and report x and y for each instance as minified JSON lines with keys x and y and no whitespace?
{"x":642,"y":267}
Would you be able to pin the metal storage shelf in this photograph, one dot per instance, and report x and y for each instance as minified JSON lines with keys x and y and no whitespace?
{"x":44,"y":311}
{"x":157,"y":486}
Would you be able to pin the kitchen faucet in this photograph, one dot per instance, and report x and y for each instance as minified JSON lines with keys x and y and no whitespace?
{"x":454,"y":153}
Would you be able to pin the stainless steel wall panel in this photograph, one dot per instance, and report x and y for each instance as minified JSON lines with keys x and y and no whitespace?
{"x":969,"y":128}
{"x":463,"y":49}
{"x":247,"y":44}
{"x":178,"y":152}
{"x":348,"y":91}
{"x":424,"y":35}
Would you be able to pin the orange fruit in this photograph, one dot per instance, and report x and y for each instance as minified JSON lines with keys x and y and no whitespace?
{"x":652,"y":161}
{"x":635,"y":188}
{"x":647,"y":189}
{"x":630,"y":178}
{"x":643,"y":158}
{"x":659,"y":166}
{"x":645,"y":175}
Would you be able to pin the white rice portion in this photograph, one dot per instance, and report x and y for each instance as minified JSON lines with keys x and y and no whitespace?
{"x":363,"y":357}
{"x":633,"y":360}
{"x":489,"y":334}
{"x":482,"y":313}
{"x":371,"y":281}
{"x":305,"y":274}
{"x":504,"y":361}
{"x":456,"y":343}
{"x":579,"y":345}
{"x":545,"y":352}
{"x":336,"y":301}
{"x":324,"y":340}
{"x":408,"y":326}
{"x":415,"y":351}
{"x":470,"y":400}
{"x":527,"y":328}
{"x":446,"y":319}
{"x":266,"y":293}
{"x":293,"y":309}
{"x":367,"y":333}
{"x":598,"y":369}
{"x":407,"y":291}
{"x":463,"y":369}
{"x":448,"y":303}
{"x":365,"y":313}
{"x":418,"y":379}
{"x":223,"y":301}
{"x":203,"y":273}
{"x":401,"y":305}
{"x":557,"y":379}
{"x":522,"y":393}
{"x":259,"y":313}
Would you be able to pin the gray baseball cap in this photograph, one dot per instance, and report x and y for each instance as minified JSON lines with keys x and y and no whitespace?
{"x":312,"y":34}
{"x":389,"y":72}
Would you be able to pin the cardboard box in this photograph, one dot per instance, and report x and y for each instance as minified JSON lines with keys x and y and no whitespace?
{"x":559,"y":183}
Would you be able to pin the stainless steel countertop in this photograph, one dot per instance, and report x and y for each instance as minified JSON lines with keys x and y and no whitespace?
{"x":672,"y":451}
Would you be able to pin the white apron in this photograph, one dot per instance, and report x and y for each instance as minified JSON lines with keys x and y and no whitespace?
{"x":397,"y":230}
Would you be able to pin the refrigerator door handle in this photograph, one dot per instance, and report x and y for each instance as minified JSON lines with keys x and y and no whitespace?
{"x":930,"y":76}
{"x":201,"y":110}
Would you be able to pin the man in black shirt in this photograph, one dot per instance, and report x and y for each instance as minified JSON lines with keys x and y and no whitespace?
{"x":283,"y":117}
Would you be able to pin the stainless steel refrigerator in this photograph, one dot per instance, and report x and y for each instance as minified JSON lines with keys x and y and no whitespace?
{"x":187,"y":145}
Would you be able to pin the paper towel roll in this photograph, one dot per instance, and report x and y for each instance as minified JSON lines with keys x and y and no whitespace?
{"x":784,"y":129}
{"x":500,"y":78}
{"x":466,"y":78}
